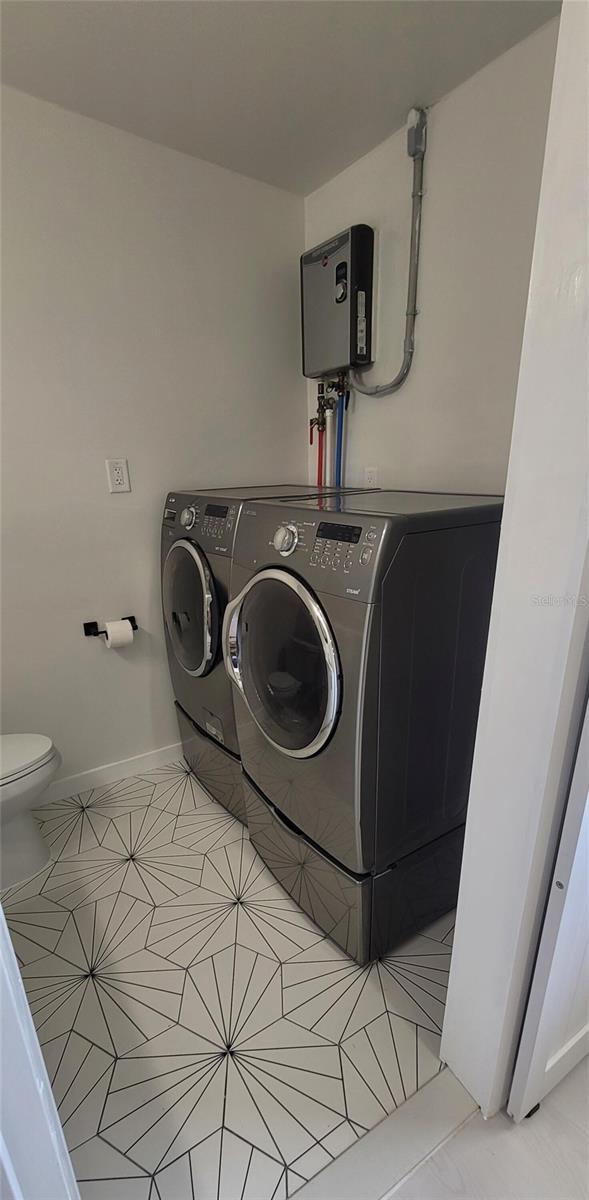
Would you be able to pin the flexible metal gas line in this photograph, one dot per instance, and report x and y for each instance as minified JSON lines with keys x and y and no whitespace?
{"x":416,"y":142}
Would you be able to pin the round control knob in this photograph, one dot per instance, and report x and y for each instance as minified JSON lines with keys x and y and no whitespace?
{"x":188,"y":517}
{"x":285,"y":539}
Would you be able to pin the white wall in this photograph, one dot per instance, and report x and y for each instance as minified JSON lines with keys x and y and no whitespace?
{"x":449,"y":426}
{"x":150,"y":311}
{"x":537,"y":667}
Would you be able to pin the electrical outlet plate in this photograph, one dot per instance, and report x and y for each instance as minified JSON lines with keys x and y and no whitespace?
{"x":117,"y":473}
{"x":370,"y":477}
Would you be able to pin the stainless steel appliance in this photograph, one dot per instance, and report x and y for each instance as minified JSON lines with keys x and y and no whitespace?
{"x":355,"y":639}
{"x":198,"y":530}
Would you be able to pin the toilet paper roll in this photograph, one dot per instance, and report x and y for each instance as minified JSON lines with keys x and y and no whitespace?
{"x":118,"y":633}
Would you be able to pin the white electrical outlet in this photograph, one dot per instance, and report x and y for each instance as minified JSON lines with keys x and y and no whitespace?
{"x":117,"y":473}
{"x":370,"y":477}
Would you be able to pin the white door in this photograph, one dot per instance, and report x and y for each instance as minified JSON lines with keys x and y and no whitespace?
{"x":555,"y":1035}
{"x":34,"y":1159}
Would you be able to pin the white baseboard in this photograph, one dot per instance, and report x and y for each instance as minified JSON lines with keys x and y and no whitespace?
{"x":61,"y":789}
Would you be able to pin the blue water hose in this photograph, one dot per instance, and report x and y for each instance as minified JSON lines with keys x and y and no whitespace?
{"x":339,"y":441}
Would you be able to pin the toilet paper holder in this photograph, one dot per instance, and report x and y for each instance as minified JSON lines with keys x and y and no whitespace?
{"x":91,"y":627}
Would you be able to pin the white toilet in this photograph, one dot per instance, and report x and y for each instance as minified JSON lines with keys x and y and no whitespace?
{"x":28,"y":762}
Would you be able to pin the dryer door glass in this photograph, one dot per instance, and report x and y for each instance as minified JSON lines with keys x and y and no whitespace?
{"x":288,"y":663}
{"x":190,"y":609}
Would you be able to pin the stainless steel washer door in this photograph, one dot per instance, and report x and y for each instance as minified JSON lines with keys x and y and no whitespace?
{"x":190,"y":607}
{"x":280,"y":652}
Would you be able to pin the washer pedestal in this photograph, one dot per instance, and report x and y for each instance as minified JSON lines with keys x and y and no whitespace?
{"x":367,"y":915}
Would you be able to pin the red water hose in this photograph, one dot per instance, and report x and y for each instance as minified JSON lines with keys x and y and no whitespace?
{"x":320,"y":456}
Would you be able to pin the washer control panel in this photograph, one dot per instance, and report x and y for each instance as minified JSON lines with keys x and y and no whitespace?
{"x":339,"y":555}
{"x":285,"y":539}
{"x":211,"y":523}
{"x":338,"y":546}
{"x":188,"y":516}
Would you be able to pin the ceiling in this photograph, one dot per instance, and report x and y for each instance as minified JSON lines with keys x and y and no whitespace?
{"x":286,"y":91}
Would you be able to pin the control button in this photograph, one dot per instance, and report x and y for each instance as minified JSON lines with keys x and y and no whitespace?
{"x":348,"y":564}
{"x":371,"y":535}
{"x":285,"y":539}
{"x":188,"y":517}
{"x":366,"y":555}
{"x":314,"y":559}
{"x":325,"y":560}
{"x":335,"y":564}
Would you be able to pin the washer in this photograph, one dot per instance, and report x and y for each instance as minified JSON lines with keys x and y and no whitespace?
{"x":355,"y":640}
{"x":198,"y":531}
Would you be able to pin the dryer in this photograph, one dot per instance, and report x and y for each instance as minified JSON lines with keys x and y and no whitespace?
{"x":355,"y":639}
{"x":198,"y":530}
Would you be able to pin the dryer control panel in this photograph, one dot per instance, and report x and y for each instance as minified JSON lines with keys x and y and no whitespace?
{"x":211,"y":523}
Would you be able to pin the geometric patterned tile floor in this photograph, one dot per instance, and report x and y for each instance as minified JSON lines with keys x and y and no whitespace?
{"x":203,"y":1038}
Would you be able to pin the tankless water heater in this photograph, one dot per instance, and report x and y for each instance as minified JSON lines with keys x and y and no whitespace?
{"x":336,"y":303}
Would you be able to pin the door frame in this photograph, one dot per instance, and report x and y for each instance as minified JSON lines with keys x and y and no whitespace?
{"x":536,"y":668}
